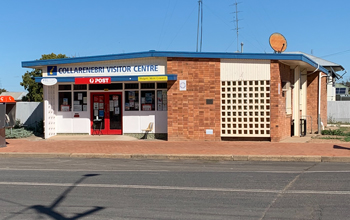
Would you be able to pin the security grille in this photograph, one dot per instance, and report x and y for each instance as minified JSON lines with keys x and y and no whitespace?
{"x":245,"y":108}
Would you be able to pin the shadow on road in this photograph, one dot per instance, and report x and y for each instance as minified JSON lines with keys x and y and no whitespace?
{"x":340,"y":147}
{"x":49,"y":210}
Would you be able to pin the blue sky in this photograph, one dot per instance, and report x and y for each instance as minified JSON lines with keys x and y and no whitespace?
{"x":87,"y":28}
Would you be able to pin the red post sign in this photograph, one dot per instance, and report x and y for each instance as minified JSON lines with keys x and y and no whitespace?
{"x":93,"y":80}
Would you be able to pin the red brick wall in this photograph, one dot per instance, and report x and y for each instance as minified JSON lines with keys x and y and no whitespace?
{"x":280,"y":122}
{"x":188,"y":114}
{"x":312,"y":100}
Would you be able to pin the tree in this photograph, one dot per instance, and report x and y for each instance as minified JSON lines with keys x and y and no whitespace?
{"x":35,"y":90}
{"x":2,"y":90}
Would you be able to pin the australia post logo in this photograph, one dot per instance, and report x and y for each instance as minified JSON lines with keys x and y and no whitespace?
{"x":51,"y":70}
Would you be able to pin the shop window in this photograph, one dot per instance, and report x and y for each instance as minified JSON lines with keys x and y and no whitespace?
{"x":113,"y":86}
{"x":64,"y":87}
{"x":147,"y":86}
{"x":80,"y":101}
{"x":65,"y":101}
{"x":162,"y":85}
{"x":80,"y":87}
{"x":132,"y":102}
{"x":147,"y":100}
{"x":162,"y":100}
{"x":131,"y":86}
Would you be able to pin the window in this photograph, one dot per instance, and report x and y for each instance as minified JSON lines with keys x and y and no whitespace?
{"x":80,"y":101}
{"x":147,"y":86}
{"x":65,"y":101}
{"x":132,"y":102}
{"x":64,"y":87}
{"x":147,"y":100}
{"x":113,"y":86}
{"x":162,"y":100}
{"x":131,"y":86}
{"x":340,"y":90}
{"x":64,"y":98}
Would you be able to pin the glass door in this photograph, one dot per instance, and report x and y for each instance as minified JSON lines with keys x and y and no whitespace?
{"x":106,"y":113}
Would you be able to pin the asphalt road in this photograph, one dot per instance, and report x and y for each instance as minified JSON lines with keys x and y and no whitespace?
{"x":144,"y":189}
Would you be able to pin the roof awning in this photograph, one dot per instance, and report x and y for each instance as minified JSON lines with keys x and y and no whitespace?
{"x":149,"y":78}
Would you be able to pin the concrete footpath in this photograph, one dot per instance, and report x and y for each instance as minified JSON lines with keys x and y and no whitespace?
{"x":84,"y":146}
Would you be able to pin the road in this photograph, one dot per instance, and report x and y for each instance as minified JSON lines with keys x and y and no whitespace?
{"x":43,"y":188}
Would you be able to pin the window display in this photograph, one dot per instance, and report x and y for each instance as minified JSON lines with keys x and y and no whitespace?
{"x":131,"y":100}
{"x":80,"y":101}
{"x":148,"y":100}
{"x":162,"y":100}
{"x":64,"y":101}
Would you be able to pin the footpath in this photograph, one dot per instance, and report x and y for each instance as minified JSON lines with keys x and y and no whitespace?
{"x":84,"y":146}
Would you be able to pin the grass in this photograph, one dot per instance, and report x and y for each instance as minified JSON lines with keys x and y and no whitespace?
{"x":339,"y":133}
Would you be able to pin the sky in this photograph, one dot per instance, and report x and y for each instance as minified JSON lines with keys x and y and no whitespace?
{"x":79,"y":28}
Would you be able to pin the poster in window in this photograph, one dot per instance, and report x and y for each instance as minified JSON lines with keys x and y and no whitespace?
{"x":131,"y":103}
{"x":95,"y":112}
{"x":143,"y":100}
{"x":164,"y":100}
{"x":131,"y":95}
{"x":160,"y":97}
{"x":80,"y":96}
{"x":160,"y":107}
{"x":148,"y":97}
{"x":100,"y":105}
{"x":111,"y":107}
{"x":115,"y":97}
{"x":116,"y":111}
{"x":85,"y":100}
{"x":101,"y":113}
{"x":65,"y":108}
{"x":127,"y":107}
{"x":101,"y":99}
{"x":137,"y":105}
{"x":76,"y":102}
{"x":115,"y":103}
{"x":146,"y":107}
{"x":77,"y":108}
{"x":95,"y":105}
{"x":84,"y":108}
{"x":65,"y":101}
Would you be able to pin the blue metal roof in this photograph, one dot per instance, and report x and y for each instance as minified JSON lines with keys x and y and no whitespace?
{"x":152,"y":53}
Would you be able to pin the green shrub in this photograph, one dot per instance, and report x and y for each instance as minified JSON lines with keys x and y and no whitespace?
{"x":336,"y":132}
{"x":17,"y":133}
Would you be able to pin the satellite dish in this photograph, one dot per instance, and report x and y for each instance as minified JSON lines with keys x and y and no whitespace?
{"x":278,"y":42}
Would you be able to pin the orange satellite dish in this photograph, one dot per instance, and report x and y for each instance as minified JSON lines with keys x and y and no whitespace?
{"x":6,"y":99}
{"x":278,"y":43}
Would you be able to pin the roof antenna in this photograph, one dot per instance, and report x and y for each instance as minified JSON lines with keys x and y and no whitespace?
{"x":237,"y":20}
{"x":200,"y":21}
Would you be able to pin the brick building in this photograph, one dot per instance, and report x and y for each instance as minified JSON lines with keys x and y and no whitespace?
{"x":186,"y":95}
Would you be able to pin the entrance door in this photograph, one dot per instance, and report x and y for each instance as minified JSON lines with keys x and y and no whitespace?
{"x":106,"y":113}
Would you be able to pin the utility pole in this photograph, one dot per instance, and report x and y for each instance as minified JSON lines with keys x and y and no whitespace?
{"x":200,"y":23}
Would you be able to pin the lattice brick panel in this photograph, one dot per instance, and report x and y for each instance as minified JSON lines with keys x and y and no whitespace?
{"x":50,"y":118}
{"x":245,"y":108}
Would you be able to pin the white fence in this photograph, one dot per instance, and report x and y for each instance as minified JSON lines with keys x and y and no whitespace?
{"x":338,"y":111}
{"x":29,"y":113}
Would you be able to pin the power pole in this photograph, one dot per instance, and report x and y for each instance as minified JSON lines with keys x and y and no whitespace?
{"x":200,"y":23}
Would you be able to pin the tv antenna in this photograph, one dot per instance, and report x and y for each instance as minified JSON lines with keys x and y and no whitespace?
{"x":236,"y":20}
{"x":278,"y":42}
{"x":200,"y":23}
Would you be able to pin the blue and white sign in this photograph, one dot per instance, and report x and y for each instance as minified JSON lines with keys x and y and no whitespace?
{"x":105,"y":70}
